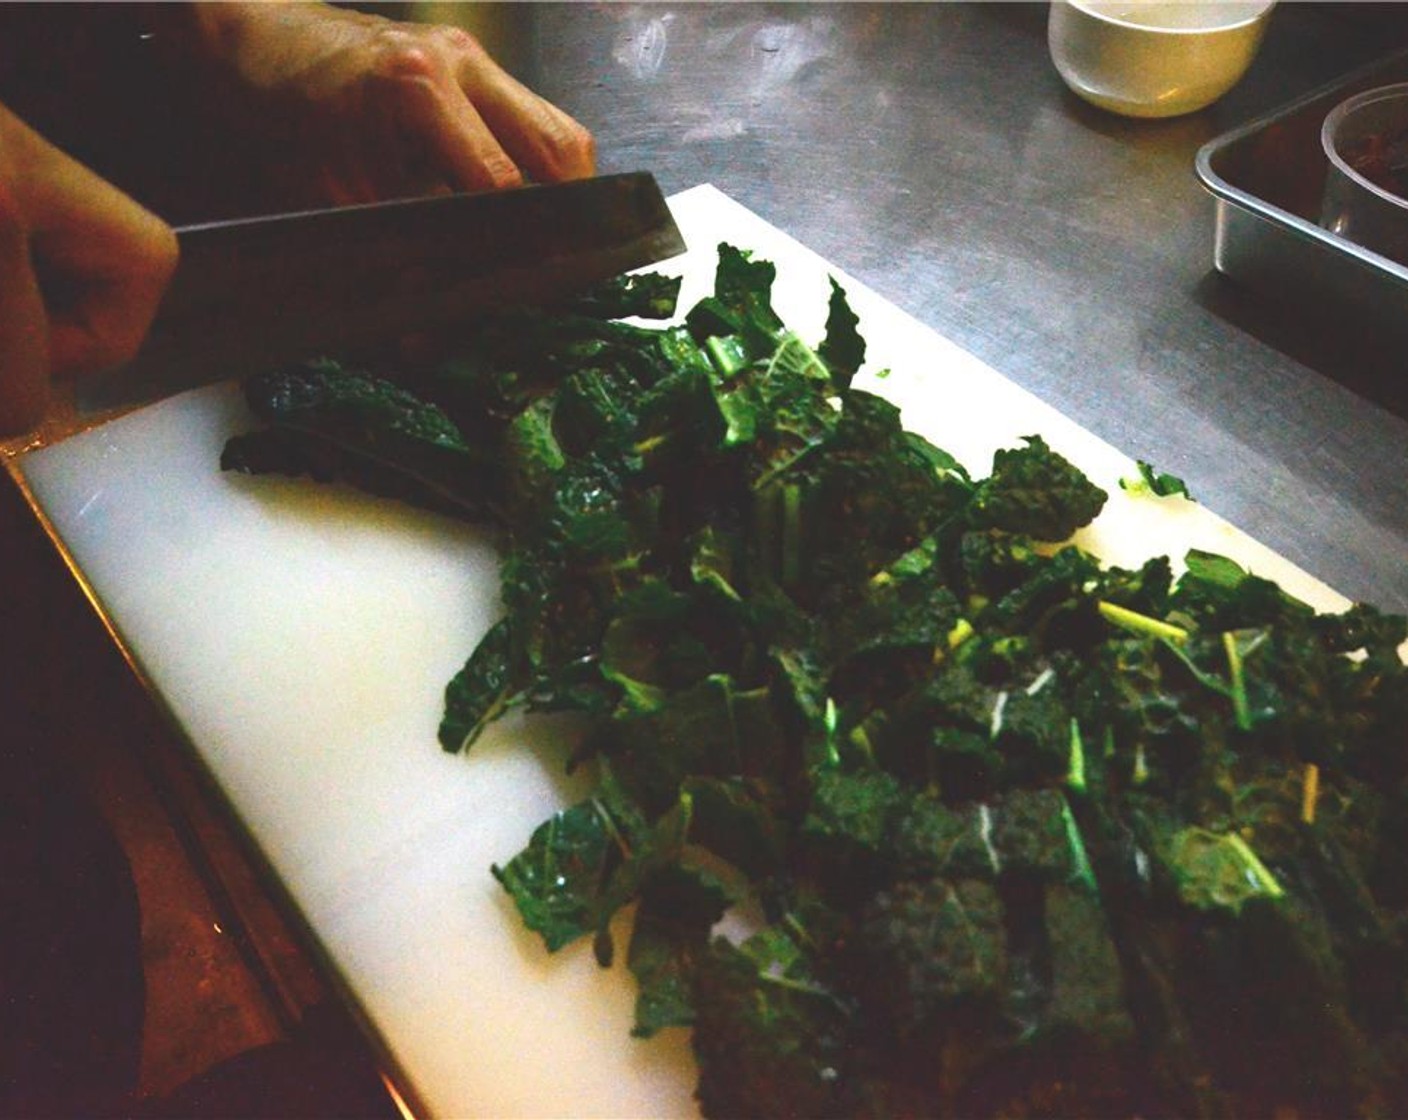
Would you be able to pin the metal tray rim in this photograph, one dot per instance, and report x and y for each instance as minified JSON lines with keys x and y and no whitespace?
{"x":1305,"y":230}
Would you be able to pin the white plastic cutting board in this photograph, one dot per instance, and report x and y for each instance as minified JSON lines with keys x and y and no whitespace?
{"x":302,"y":637}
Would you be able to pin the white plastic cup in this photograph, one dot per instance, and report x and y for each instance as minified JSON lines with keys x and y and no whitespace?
{"x":1155,"y":58}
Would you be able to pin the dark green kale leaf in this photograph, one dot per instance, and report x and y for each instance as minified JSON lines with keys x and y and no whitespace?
{"x":713,"y":728}
{"x":1145,"y":591}
{"x":1217,"y":871}
{"x":559,"y":881}
{"x":843,"y":348}
{"x":928,"y":949}
{"x":534,"y":459}
{"x":1020,"y":834}
{"x":740,"y":308}
{"x":1159,"y":483}
{"x":558,"y":619}
{"x":592,"y":418}
{"x":1034,"y":833}
{"x":742,"y":821}
{"x":585,"y":863}
{"x":661,"y":640}
{"x":714,"y":563}
{"x":680,"y":426}
{"x":931,"y":838}
{"x":767,"y":1044}
{"x":483,"y":690}
{"x":790,"y":410}
{"x":886,"y":641}
{"x":647,"y":295}
{"x":1088,"y":996}
{"x":1218,"y":594}
{"x":851,"y":815}
{"x":334,"y":424}
{"x":508,"y":361}
{"x":984,"y":565}
{"x":1036,"y":491}
{"x":565,"y":573}
{"x":939,"y":735}
{"x":869,"y":495}
{"x":1365,"y":628}
{"x":677,"y":911}
{"x":1051,"y":605}
{"x":1137,"y":691}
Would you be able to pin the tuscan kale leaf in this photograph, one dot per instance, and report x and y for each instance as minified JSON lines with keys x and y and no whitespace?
{"x":1006,"y":831}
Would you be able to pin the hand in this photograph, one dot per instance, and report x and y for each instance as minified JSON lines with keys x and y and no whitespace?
{"x":82,"y":269}
{"x":358,"y":108}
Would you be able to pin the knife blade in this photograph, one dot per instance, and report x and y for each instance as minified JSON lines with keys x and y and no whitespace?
{"x":250,"y":294}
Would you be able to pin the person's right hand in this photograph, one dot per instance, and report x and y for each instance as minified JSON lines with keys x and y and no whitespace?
{"x":350,"y":107}
{"x":82,"y":269}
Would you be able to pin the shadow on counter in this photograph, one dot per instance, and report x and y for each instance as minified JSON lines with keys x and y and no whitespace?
{"x":1367,"y":357}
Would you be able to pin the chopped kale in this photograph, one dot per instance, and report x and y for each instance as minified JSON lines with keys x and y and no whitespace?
{"x":768,"y":1043}
{"x":482,"y":691}
{"x":843,"y":349}
{"x":1018,"y":834}
{"x":559,"y":881}
{"x":341,"y":425}
{"x":928,"y":948}
{"x":646,"y":295}
{"x":1034,"y":490}
{"x":678,"y":908}
{"x":1150,"y":481}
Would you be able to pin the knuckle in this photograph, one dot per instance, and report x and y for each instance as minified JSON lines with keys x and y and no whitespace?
{"x":572,"y":150}
{"x":502,"y":172}
{"x":399,"y":57}
{"x":403,"y":53}
{"x":584,"y":146}
{"x":457,"y":40}
{"x":411,"y":65}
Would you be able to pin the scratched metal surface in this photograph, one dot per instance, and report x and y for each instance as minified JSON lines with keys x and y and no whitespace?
{"x":932,"y":151}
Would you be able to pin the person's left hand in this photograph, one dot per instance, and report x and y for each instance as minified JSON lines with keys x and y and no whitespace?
{"x":82,"y":271}
{"x":357,"y":108}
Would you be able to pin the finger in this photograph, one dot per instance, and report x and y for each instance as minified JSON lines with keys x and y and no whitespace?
{"x":104,"y":317}
{"x":545,"y":142}
{"x":110,"y":260}
{"x":432,"y":111}
{"x":24,"y":350}
{"x":401,"y":164}
{"x":343,"y":181}
{"x":357,"y":151}
{"x":549,"y":145}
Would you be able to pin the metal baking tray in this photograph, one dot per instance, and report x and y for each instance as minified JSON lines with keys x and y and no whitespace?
{"x":1267,"y":178}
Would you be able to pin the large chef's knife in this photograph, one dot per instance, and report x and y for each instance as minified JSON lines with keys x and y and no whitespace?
{"x":253,"y":293}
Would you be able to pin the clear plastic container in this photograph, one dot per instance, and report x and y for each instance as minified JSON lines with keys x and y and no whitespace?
{"x":1366,"y":143}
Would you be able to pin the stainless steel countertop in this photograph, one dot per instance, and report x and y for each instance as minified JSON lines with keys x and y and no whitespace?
{"x":932,"y":151}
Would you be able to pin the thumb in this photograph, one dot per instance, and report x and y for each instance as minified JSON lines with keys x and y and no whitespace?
{"x":24,"y":328}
